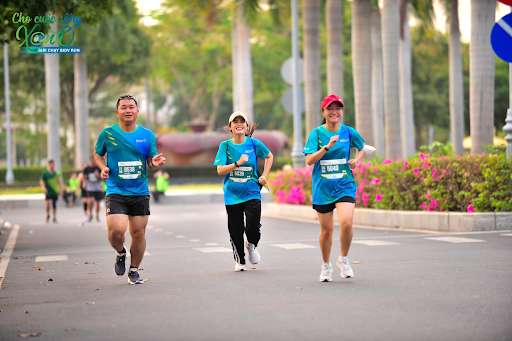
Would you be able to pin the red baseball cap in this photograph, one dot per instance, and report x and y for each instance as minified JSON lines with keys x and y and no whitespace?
{"x":329,"y":99}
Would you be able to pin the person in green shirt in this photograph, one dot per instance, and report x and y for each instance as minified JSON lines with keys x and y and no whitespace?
{"x":72,"y":190}
{"x":51,"y":183}
{"x":162,"y":182}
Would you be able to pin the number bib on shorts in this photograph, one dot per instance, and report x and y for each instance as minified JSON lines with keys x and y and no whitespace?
{"x":130,"y":170}
{"x":333,"y":169}
{"x":240,"y":174}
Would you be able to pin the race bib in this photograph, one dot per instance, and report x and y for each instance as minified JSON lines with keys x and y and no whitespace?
{"x":334,"y":169}
{"x":92,"y":177}
{"x":130,"y":170}
{"x":241,"y":174}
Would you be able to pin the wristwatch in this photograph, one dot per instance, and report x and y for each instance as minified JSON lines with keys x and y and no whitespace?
{"x":326,"y":149}
{"x":236,"y":164}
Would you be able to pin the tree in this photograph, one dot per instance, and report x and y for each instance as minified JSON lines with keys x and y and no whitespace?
{"x":312,"y":80}
{"x":377,"y":85}
{"x":481,"y":73}
{"x":390,"y":44}
{"x":334,"y":18}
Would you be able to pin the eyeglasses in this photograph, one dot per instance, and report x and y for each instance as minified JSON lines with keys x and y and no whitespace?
{"x":126,"y":97}
{"x":334,"y":109}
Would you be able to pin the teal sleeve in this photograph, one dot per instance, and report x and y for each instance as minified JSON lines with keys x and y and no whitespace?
{"x":356,"y":141}
{"x":221,"y":158}
{"x":101,"y":147}
{"x":43,"y":176}
{"x":312,"y":144}
{"x":261,"y":150}
{"x":152,"y":145}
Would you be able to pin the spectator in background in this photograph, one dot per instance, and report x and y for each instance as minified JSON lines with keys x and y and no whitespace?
{"x":162,"y":183}
{"x":71,"y":190}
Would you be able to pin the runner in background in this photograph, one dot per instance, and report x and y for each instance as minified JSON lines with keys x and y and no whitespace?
{"x":328,"y":149}
{"x":93,"y":186}
{"x":162,"y":183}
{"x":51,"y":183}
{"x":71,"y":190}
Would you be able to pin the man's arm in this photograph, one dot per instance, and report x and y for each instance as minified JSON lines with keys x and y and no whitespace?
{"x":41,"y":182}
{"x":100,"y":162}
{"x":156,"y":161}
{"x":61,"y":185}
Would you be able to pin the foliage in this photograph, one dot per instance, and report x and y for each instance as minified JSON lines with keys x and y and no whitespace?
{"x":423,"y":182}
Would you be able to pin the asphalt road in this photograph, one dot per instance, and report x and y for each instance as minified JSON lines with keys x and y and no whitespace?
{"x":406,"y":286}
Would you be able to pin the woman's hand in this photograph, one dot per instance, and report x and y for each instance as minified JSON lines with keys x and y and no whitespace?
{"x":353,"y":163}
{"x":243,"y":159}
{"x":262,"y":180}
{"x":333,"y":141}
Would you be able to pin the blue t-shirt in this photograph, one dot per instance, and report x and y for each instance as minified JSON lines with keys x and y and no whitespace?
{"x":241,"y":185}
{"x":126,"y":158}
{"x":332,"y":177}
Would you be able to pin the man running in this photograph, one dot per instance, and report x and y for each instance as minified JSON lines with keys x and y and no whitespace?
{"x":51,"y":183}
{"x":130,"y":149}
{"x":93,"y":186}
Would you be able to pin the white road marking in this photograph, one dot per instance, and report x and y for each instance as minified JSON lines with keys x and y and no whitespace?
{"x":168,"y":233}
{"x":213,"y":249}
{"x":456,"y":240}
{"x":7,"y":252}
{"x":506,"y":234}
{"x":210,"y":244}
{"x":180,"y":236}
{"x":159,"y":230}
{"x":193,"y":240}
{"x":55,"y":258}
{"x":374,"y":242}
{"x":292,"y":246}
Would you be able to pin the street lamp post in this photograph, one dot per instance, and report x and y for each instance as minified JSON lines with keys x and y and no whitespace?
{"x":297,"y":155}
{"x":9,"y":177}
{"x":508,"y":121}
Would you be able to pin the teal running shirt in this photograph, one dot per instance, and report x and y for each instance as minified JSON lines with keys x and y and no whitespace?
{"x":332,"y":177}
{"x":126,"y":158}
{"x":241,"y":185}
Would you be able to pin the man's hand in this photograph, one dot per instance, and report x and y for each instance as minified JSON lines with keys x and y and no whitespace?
{"x":353,"y":163}
{"x":262,"y":180}
{"x":158,"y":160}
{"x":243,"y":159}
{"x":104,"y":173}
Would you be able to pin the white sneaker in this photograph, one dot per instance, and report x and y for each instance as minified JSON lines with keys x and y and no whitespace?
{"x":344,"y":265}
{"x":240,"y":267}
{"x":326,"y":274}
{"x":254,"y":255}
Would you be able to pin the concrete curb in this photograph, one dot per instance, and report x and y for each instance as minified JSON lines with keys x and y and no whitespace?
{"x":417,"y":220}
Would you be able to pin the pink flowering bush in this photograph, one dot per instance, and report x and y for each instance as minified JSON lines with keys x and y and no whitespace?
{"x":425,"y":182}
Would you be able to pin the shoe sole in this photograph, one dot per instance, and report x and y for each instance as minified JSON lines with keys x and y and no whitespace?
{"x":341,"y":274}
{"x":138,"y":282}
{"x":325,"y":280}
{"x":250,"y":261}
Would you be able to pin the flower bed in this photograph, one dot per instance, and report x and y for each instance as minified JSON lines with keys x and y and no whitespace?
{"x":421,"y":183}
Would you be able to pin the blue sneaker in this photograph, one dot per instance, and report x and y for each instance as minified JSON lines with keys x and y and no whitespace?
{"x":134,"y":278}
{"x":120,"y":267}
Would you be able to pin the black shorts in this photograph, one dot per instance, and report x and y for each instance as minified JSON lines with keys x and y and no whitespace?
{"x":52,"y":197}
{"x":330,"y":207}
{"x":132,"y":205}
{"x":84,"y":193}
{"x":97,"y":195}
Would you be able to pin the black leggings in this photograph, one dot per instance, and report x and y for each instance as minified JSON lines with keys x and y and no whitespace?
{"x":237,"y":227}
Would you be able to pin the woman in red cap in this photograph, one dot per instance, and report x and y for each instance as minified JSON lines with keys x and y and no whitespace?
{"x":328,"y":148}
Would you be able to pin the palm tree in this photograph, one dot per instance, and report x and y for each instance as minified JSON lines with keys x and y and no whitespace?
{"x":334,"y":18}
{"x":390,"y":38}
{"x":481,"y":75}
{"x":377,"y":85}
{"x":456,"y":80}
{"x":362,"y":66}
{"x":312,"y":81}
{"x":81,"y":95}
{"x":52,"y":86}
{"x":406,"y":96}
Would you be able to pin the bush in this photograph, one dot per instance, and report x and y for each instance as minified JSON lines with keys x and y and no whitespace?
{"x":423,"y":182}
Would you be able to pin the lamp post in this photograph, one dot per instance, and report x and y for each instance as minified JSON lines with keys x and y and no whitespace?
{"x":297,"y":155}
{"x":9,"y":176}
{"x":508,"y":121}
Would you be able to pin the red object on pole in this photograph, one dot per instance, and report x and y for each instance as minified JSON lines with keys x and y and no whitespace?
{"x":506,"y":2}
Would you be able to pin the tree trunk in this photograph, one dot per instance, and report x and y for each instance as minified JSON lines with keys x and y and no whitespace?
{"x":481,"y":75}
{"x":334,"y":17}
{"x":81,"y":110}
{"x":243,"y":65}
{"x":312,"y":81}
{"x":406,"y":97}
{"x":52,"y":86}
{"x":362,"y":67}
{"x":390,"y":38}
{"x":377,"y":86}
{"x":456,"y":81}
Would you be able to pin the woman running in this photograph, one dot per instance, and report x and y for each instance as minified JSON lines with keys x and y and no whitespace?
{"x":328,"y":148}
{"x":237,"y":160}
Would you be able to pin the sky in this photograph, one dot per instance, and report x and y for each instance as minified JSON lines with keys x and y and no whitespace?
{"x":146,"y":6}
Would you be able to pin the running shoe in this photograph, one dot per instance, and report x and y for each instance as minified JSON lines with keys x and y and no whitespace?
{"x":326,"y":274}
{"x":120,"y":266}
{"x":344,"y":265}
{"x":54,"y":219}
{"x":240,"y":267}
{"x":90,"y":218}
{"x":98,"y":219}
{"x":134,"y":278}
{"x":48,"y":218}
{"x":254,"y":255}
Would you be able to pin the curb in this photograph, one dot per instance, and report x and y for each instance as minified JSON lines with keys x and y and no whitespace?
{"x":414,"y":220}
